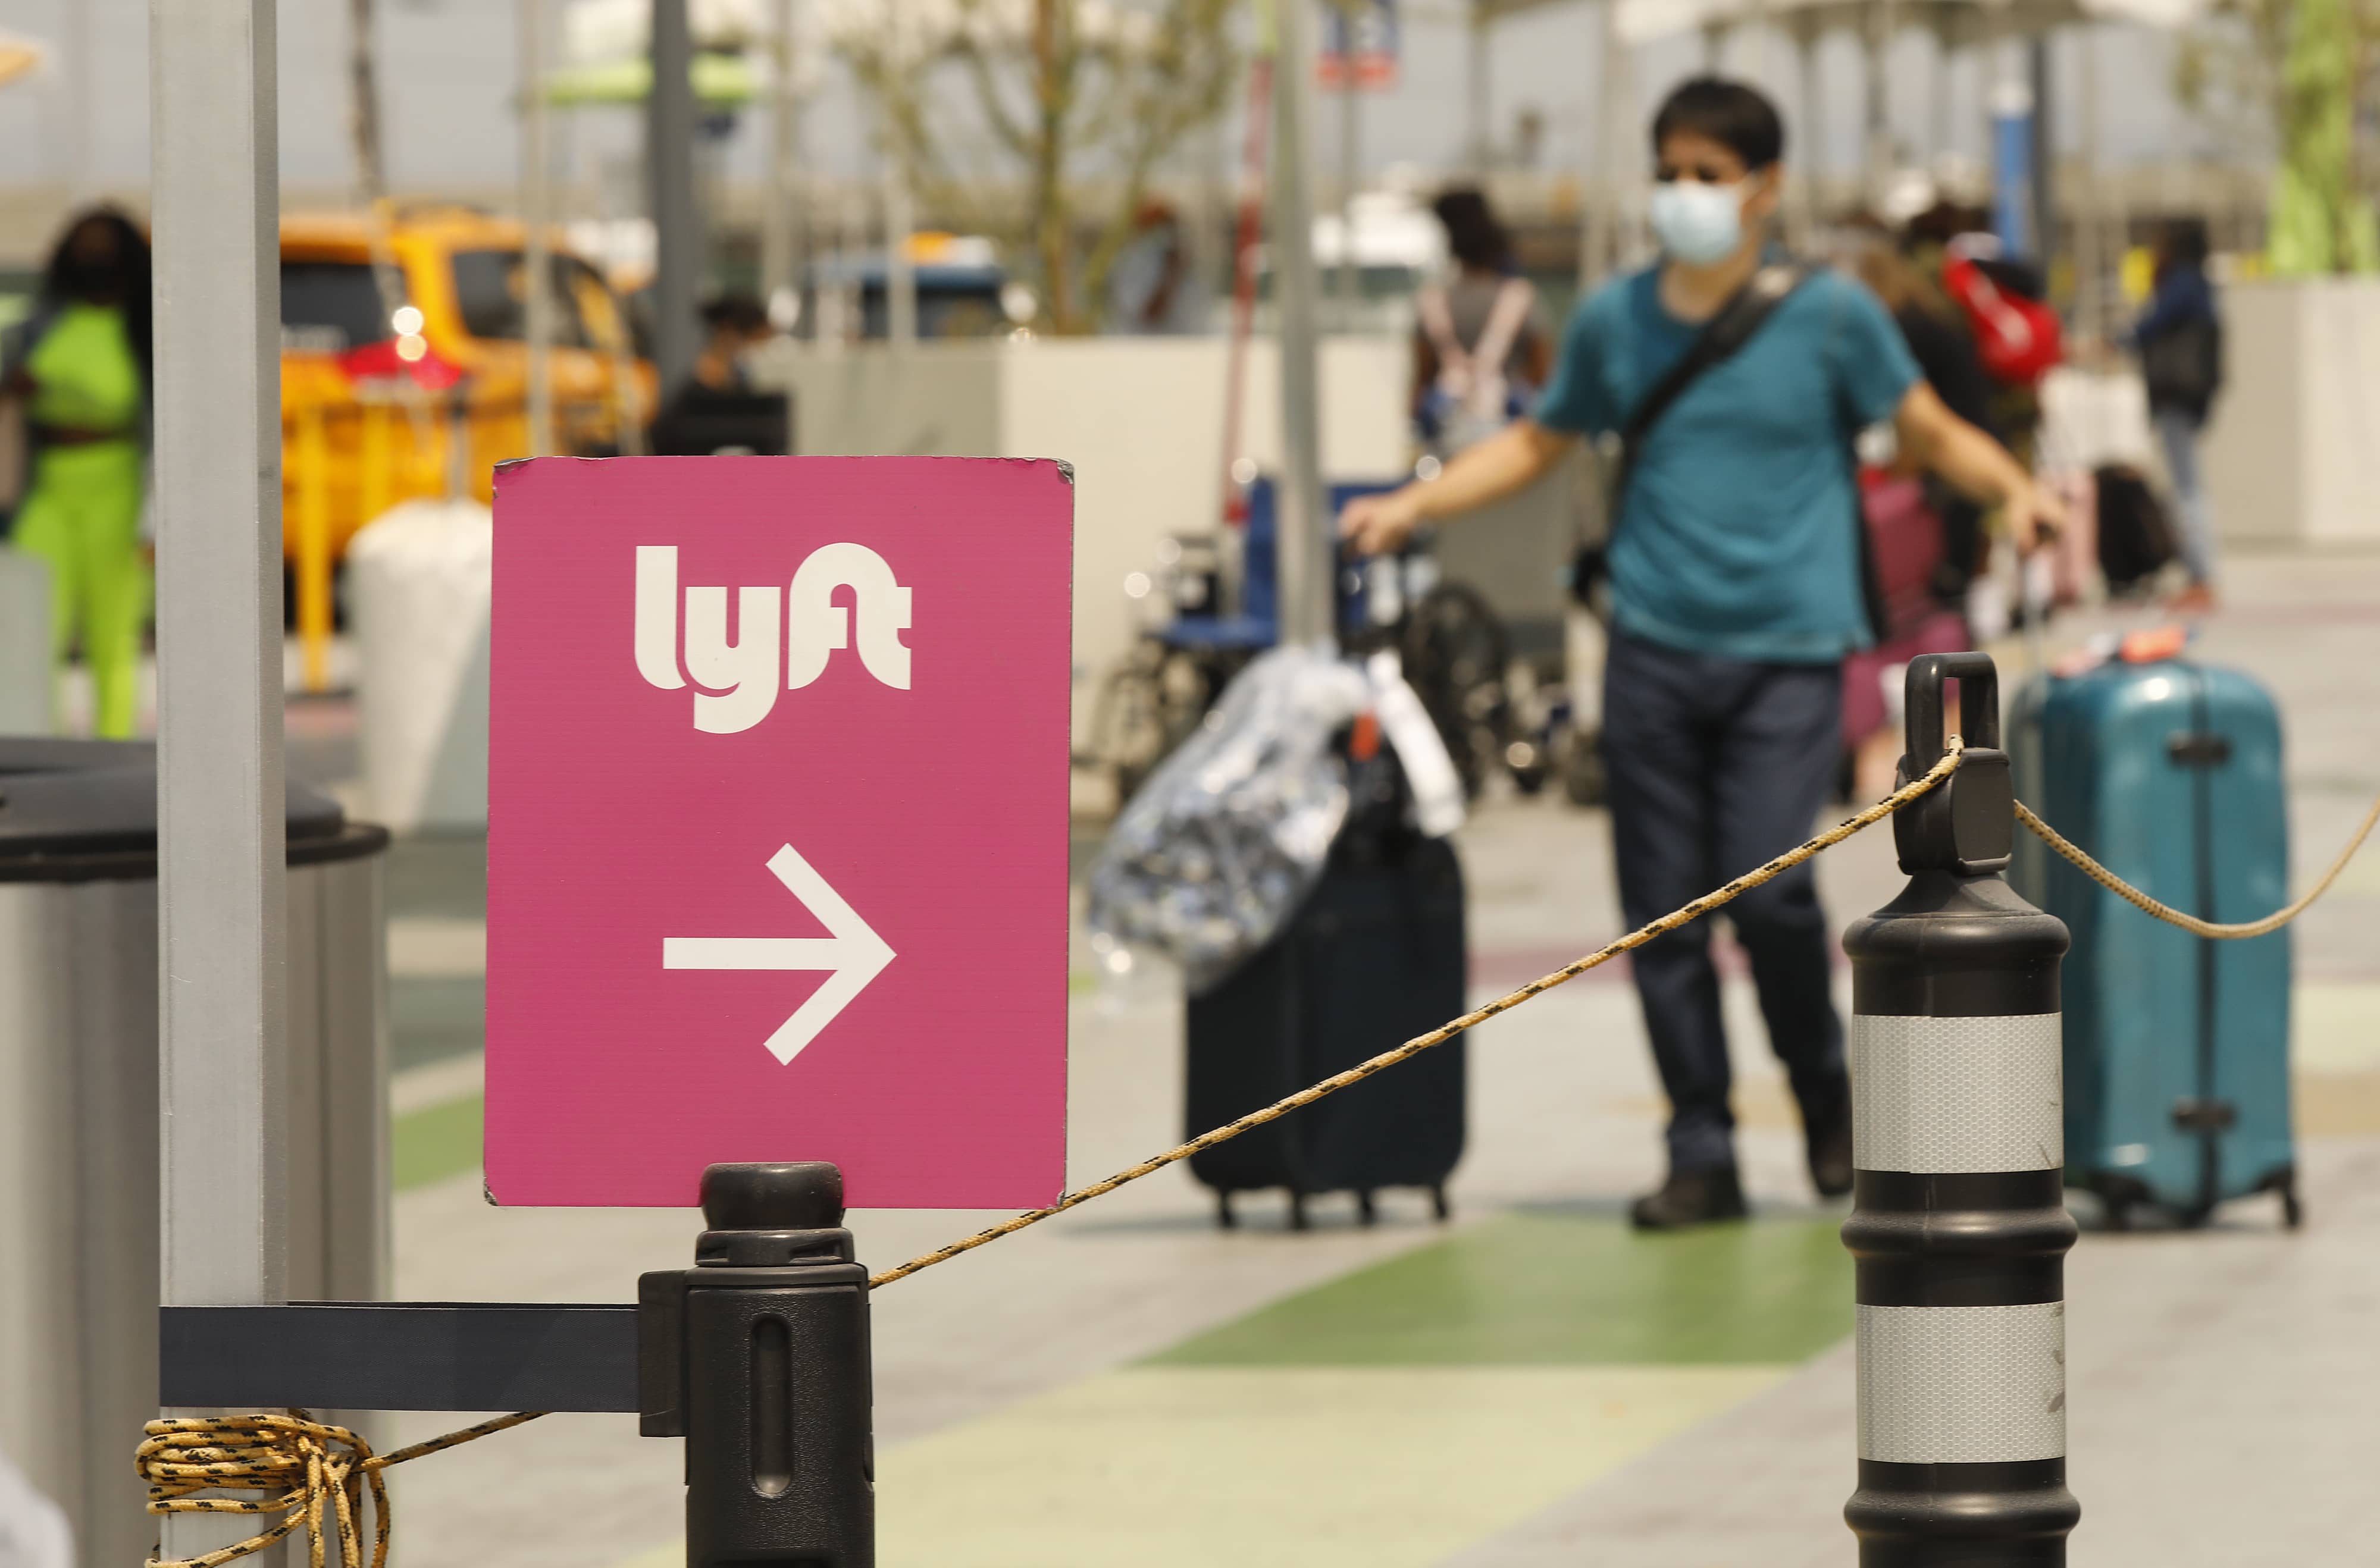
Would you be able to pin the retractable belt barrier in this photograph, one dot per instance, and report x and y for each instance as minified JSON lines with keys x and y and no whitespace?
{"x":760,"y":1351}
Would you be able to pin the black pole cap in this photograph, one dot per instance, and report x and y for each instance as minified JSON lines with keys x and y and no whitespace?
{"x":1967,"y":823}
{"x":784,"y":1196}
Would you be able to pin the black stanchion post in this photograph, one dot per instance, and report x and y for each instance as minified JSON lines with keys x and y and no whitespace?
{"x":758,"y":1358}
{"x":1959,"y":1220}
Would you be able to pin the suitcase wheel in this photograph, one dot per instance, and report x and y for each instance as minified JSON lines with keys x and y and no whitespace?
{"x":1224,"y":1218}
{"x":2292,"y":1207}
{"x":1367,"y":1213}
{"x":1438,"y":1208}
{"x":2118,"y":1197}
{"x":1297,"y":1220}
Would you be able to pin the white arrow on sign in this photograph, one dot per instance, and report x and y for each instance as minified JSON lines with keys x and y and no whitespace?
{"x":853,"y":956}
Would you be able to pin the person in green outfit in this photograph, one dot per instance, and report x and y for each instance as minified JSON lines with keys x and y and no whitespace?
{"x":79,"y":364}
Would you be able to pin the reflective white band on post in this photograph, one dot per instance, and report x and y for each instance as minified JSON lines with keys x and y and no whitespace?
{"x":1962,"y":1386}
{"x":1957,"y":1096}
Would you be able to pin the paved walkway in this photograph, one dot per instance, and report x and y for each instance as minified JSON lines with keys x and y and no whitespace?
{"x":1531,"y":1384}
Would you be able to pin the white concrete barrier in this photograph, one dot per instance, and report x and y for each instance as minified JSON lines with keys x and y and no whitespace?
{"x":418,"y":580}
{"x":26,"y":679}
{"x":33,"y":1529}
{"x":2091,"y":417}
{"x":2293,"y":452}
{"x":1140,"y":418}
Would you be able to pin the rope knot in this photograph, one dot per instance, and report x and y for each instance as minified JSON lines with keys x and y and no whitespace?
{"x":295,"y":1465}
{"x":300,"y":1467}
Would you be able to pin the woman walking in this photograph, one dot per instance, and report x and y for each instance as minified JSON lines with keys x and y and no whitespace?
{"x":80,"y":369}
{"x":2180,"y":343}
{"x":1480,"y":351}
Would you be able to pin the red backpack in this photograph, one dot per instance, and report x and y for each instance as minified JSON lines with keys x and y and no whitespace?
{"x":2019,"y":340}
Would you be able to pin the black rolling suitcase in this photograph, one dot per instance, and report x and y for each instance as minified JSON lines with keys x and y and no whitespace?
{"x":1374,"y":958}
{"x":2135,"y":535}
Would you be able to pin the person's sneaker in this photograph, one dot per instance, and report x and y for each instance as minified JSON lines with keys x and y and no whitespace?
{"x":1829,"y":1139}
{"x":1690,"y":1198}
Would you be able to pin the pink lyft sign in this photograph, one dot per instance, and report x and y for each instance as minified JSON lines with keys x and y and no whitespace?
{"x":777,"y":800}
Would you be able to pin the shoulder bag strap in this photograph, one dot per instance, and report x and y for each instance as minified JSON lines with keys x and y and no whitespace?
{"x":1720,"y":337}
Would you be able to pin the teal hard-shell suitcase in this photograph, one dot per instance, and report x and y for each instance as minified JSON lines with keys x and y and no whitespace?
{"x":2177,"y":1046}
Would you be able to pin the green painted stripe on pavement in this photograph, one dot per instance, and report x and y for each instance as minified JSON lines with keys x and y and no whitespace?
{"x":436,"y":1141}
{"x":1275,"y":1467}
{"x":1562,"y":1289}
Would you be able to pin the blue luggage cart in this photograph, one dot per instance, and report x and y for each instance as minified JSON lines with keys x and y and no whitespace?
{"x":1256,"y":627}
{"x":2177,"y":1046}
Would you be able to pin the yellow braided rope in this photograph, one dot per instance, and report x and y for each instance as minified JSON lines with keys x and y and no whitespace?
{"x":2191,"y":924}
{"x":302,"y":1467}
{"x":298,"y":1465}
{"x":1438,"y":1036}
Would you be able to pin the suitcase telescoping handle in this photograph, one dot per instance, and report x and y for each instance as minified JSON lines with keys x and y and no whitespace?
{"x":1968,"y":824}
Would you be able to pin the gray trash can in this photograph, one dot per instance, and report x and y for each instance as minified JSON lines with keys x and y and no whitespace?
{"x":79,"y":1172}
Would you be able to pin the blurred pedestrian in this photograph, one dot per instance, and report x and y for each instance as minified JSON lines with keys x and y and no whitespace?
{"x":77,"y":370}
{"x":718,"y":411}
{"x":1154,"y":285}
{"x":2180,"y":342}
{"x":737,"y":324}
{"x":1736,"y":381}
{"x":2005,"y":301}
{"x":1480,"y":350}
{"x":1931,"y":324}
{"x":1927,"y":539}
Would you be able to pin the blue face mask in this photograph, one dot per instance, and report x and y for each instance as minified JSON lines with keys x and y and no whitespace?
{"x":1698,"y":224}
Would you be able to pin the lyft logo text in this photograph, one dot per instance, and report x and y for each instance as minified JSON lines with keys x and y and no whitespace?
{"x":783,"y":636}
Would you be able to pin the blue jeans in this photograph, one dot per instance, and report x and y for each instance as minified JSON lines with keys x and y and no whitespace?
{"x":1715,"y":766}
{"x":2178,"y":432}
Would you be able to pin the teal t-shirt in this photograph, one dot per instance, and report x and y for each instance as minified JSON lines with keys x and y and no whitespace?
{"x":1736,"y":537}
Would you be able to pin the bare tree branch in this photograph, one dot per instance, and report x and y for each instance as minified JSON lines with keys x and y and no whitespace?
{"x":1070,"y":96}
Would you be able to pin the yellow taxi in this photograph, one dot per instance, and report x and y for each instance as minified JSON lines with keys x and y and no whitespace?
{"x":403,"y":373}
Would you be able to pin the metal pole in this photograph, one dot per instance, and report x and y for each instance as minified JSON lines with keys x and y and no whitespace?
{"x":537,"y":294}
{"x":1348,"y":285}
{"x":2090,"y":219}
{"x":2015,"y":212}
{"x":1958,"y":1220}
{"x":1478,"y":139}
{"x":1247,"y":229}
{"x":2038,"y":66}
{"x":669,"y":197}
{"x":222,"y":910}
{"x":780,"y":282}
{"x":1598,"y":221}
{"x":900,"y":267}
{"x":81,"y":104}
{"x":1211,"y":217}
{"x":1946,"y":59}
{"x":1306,"y":526}
{"x":629,"y":414}
{"x":1629,"y":142}
{"x":1813,"y":98}
{"x":364,"y":124}
{"x":1877,"y":39}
